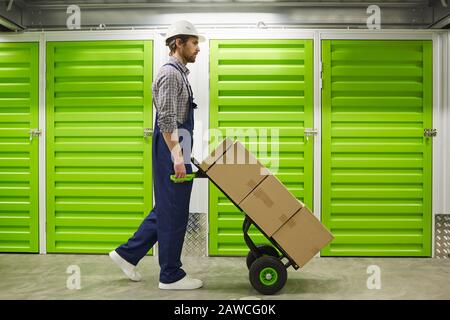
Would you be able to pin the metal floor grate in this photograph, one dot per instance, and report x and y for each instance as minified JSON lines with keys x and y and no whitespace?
{"x":195,"y":240}
{"x":442,"y":236}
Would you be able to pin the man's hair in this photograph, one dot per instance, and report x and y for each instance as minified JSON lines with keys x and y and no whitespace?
{"x":171,"y":42}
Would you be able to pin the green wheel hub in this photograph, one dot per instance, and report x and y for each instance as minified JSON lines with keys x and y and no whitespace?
{"x":268,"y":276}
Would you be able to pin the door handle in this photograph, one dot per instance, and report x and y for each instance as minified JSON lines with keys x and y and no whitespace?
{"x":310,"y":132}
{"x":148,"y":132}
{"x":35,"y":133}
{"x":429,"y":132}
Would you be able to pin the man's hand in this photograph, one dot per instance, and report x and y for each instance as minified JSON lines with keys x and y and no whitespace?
{"x":177,"y":155}
{"x":179,"y":168}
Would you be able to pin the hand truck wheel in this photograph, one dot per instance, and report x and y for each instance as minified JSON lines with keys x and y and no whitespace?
{"x":265,"y":249}
{"x":268,"y":275}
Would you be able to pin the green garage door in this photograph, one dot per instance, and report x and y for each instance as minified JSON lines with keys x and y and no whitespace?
{"x":98,"y":161}
{"x":261,"y":85}
{"x":19,"y":105}
{"x":376,"y":162}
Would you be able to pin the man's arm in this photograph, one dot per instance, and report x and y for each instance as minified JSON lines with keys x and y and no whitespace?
{"x":171,"y":139}
{"x":168,"y":89}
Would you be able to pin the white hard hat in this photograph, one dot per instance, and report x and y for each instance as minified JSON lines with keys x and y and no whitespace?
{"x":183,"y":28}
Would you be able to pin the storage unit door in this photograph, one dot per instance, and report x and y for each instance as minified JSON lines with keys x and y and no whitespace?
{"x":99,"y":185}
{"x":376,"y":165}
{"x":19,"y":105}
{"x":264,"y":88}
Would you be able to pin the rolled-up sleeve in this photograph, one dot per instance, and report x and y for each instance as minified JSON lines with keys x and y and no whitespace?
{"x":166,"y":98}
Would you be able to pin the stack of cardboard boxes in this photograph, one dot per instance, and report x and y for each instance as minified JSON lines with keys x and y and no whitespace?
{"x":266,"y":201}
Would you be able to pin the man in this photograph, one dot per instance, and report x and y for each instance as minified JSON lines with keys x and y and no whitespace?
{"x":172,"y":143}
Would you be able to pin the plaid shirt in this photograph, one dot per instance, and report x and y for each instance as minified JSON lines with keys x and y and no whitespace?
{"x":170,"y":96}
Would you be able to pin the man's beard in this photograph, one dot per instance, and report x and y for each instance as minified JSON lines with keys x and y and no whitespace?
{"x":190,"y":58}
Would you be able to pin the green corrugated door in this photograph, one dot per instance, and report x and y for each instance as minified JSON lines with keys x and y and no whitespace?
{"x":19,"y":105}
{"x":376,"y":162}
{"x":98,"y":161}
{"x":261,"y":85}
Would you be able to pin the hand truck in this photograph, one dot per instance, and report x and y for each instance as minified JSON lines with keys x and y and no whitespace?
{"x":267,"y":271}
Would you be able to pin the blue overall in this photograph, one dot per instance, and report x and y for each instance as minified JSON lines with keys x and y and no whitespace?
{"x":167,"y":222}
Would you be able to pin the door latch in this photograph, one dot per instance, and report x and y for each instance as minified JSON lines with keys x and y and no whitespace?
{"x":148,"y":132}
{"x":310,"y":132}
{"x":35,"y":133}
{"x":430,"y":133}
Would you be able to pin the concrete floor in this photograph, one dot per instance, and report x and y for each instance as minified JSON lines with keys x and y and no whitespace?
{"x":27,"y":276}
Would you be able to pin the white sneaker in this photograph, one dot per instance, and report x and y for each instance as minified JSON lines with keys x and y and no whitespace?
{"x":127,"y":268}
{"x":186,"y":283}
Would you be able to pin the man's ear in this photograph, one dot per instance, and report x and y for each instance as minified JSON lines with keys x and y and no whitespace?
{"x":178,"y":42}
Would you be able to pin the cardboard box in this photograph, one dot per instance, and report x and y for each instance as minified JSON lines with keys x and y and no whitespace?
{"x":270,"y":205}
{"x":266,"y":201}
{"x":237,"y":172}
{"x":302,"y":236}
{"x":216,"y":154}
